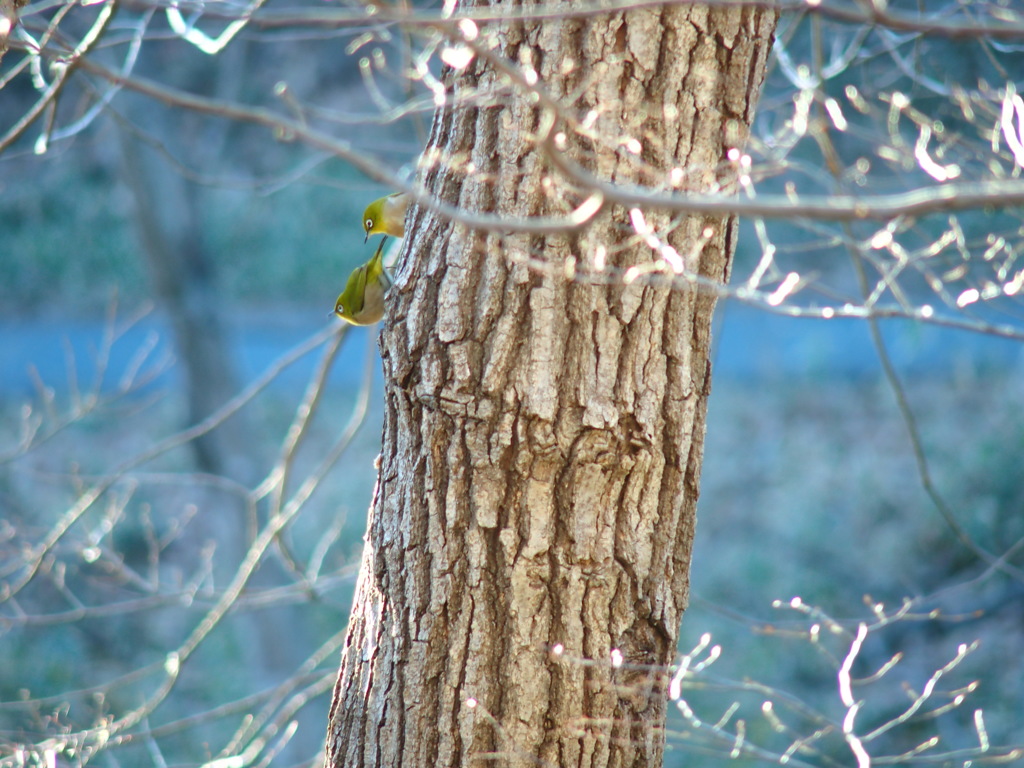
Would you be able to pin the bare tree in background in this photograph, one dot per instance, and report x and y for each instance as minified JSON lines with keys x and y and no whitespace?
{"x":546,"y":354}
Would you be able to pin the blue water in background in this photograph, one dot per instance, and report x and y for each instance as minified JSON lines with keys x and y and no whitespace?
{"x":749,"y":344}
{"x":52,"y":348}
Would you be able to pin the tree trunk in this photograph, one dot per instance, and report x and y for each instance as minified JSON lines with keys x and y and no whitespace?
{"x":529,"y":545}
{"x":181,"y":271}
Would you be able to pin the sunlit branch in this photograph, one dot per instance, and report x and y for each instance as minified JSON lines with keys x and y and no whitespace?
{"x":962,"y":26}
{"x":289,"y":129}
{"x":951,"y":196}
{"x":64,"y":72}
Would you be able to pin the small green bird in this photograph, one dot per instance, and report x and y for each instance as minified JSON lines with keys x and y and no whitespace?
{"x":362,"y":301}
{"x":386,"y":215}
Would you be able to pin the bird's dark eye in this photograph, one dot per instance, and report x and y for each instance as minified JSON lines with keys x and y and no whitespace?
{"x":339,"y":309}
{"x":368,"y":224}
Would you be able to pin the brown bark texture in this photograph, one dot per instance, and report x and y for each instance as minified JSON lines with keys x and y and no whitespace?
{"x":527,"y":560}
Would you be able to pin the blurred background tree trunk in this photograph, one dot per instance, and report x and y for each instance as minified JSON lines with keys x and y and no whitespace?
{"x":544,"y":432}
{"x":183,"y":276}
{"x":169,"y":211}
{"x":183,"y":272}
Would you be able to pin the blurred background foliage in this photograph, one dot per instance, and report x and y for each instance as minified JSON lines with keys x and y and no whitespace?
{"x":287,"y":243}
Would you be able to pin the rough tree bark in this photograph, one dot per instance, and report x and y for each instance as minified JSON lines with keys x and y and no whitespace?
{"x":543,"y":434}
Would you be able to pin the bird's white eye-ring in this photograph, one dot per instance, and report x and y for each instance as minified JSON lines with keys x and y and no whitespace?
{"x":368,"y":224}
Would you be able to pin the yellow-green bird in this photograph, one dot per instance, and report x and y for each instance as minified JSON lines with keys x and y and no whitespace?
{"x":362,"y":301}
{"x":386,"y":215}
